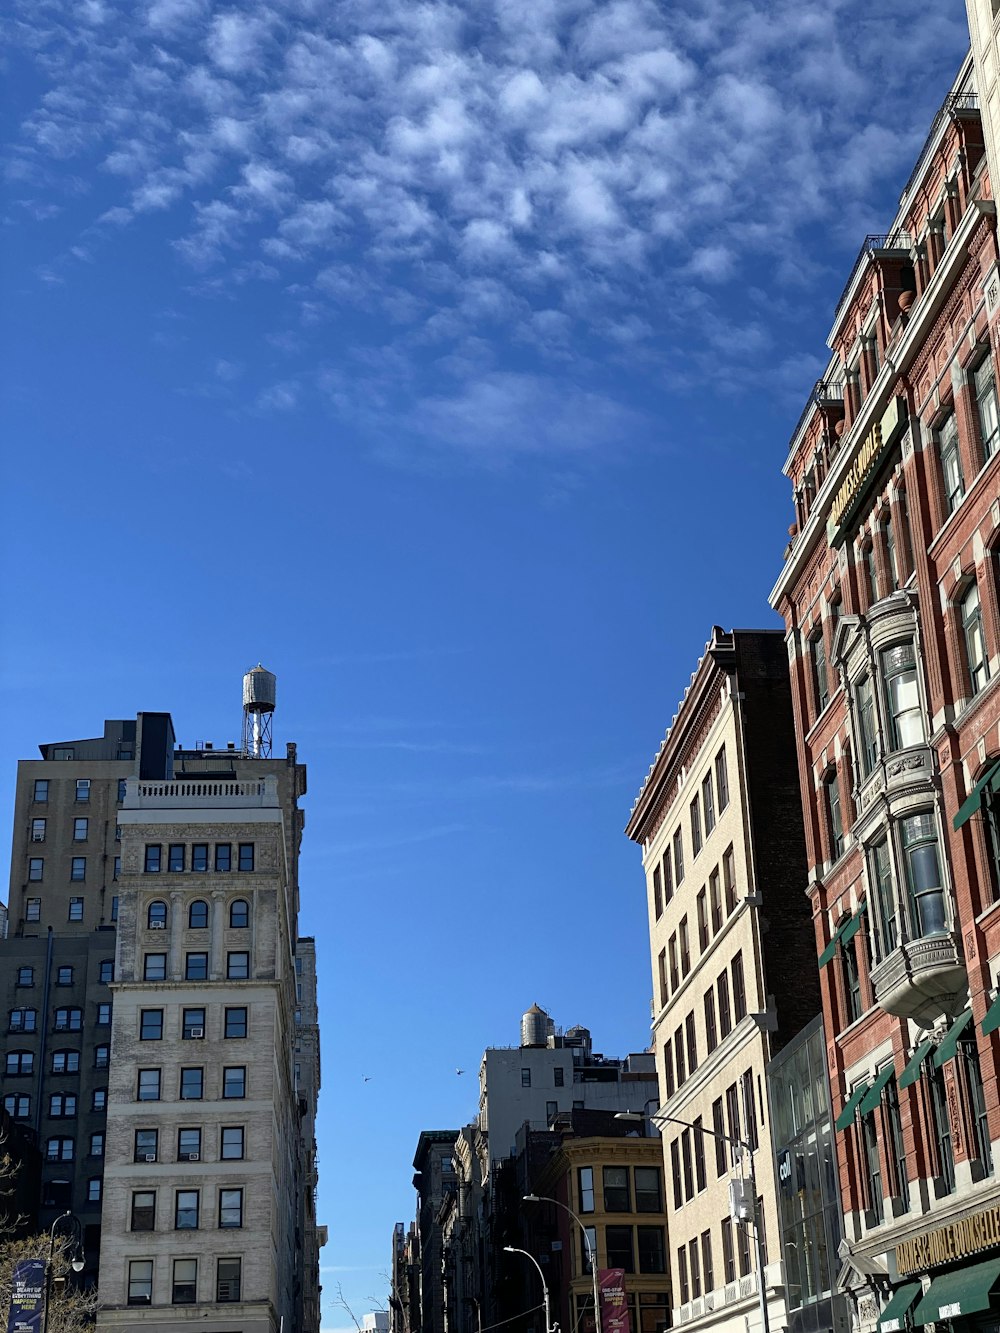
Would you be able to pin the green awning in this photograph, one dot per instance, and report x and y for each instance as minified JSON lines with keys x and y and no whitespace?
{"x":874,"y":1094}
{"x":975,"y":797}
{"x":912,"y":1071}
{"x":851,"y":1105}
{"x":966,"y":1291}
{"x":901,"y":1302}
{"x":992,"y":1020}
{"x":844,"y":932}
{"x":949,"y":1047}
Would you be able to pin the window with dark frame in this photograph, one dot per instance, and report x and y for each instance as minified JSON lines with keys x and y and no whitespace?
{"x":223,"y":857}
{"x":695,"y":812}
{"x":143,"y":1210}
{"x":140,"y":1281}
{"x":193,"y":1023}
{"x":246,"y":856}
{"x":230,"y":1208}
{"x":176,"y":858}
{"x":236,"y":1021}
{"x":192,"y":1083}
{"x":153,"y":857}
{"x":199,"y":858}
{"x":239,"y":914}
{"x":189,"y":1144}
{"x":146,"y":1145}
{"x":228,"y":1279}
{"x":231,"y":1145}
{"x":198,"y":915}
{"x":185,"y":1285}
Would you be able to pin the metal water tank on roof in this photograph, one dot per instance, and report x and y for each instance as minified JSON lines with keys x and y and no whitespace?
{"x":259,"y":687}
{"x":535,"y":1027}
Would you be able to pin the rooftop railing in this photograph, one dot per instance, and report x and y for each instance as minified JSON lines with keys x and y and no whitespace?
{"x":953,"y":105}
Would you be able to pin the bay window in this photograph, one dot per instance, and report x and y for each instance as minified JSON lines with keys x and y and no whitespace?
{"x":923,"y":873}
{"x":906,"y":721}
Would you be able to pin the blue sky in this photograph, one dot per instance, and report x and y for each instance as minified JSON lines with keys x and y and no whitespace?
{"x":444,"y":359}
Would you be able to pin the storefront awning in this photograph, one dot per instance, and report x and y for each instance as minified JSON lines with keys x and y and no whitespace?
{"x":963,"y":1292}
{"x":949,"y":1047}
{"x":901,"y":1302}
{"x":912,"y":1071}
{"x":874,"y":1094}
{"x":992,"y":1020}
{"x":844,"y":932}
{"x":851,"y":1105}
{"x":971,"y":804}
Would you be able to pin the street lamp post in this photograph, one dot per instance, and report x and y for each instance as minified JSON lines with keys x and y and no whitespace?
{"x":744,"y":1147}
{"x":591,"y":1256}
{"x":549,"y":1326}
{"x":76,"y":1263}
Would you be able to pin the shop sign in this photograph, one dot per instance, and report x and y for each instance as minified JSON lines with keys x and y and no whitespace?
{"x":863,"y":465}
{"x":27,"y":1297}
{"x":958,"y":1239}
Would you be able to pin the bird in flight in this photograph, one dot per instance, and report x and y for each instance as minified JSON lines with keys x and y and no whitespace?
{"x":366,"y":1078}
{"x":459,"y":1071}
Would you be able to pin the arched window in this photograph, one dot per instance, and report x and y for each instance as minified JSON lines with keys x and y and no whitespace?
{"x":156,"y":918}
{"x":239,"y":913}
{"x":198,"y":915}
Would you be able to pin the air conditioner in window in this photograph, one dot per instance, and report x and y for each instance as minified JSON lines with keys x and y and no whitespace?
{"x":38,"y":837}
{"x":151,"y":1157}
{"x":196,"y":1032}
{"x":194,"y":1156}
{"x":157,"y":925}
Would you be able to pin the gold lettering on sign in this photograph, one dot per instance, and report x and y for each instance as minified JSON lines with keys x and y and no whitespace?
{"x":867,"y":455}
{"x":969,"y":1235}
{"x":955,"y":1116}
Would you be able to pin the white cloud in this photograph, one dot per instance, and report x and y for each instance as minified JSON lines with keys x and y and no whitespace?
{"x":235,"y":40}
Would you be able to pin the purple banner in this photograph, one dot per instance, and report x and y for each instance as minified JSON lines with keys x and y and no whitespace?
{"x":27,"y":1297}
{"x":614,"y":1304}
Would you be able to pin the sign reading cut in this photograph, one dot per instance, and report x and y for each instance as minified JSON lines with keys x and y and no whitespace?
{"x":863,"y":464}
{"x":968,"y":1235}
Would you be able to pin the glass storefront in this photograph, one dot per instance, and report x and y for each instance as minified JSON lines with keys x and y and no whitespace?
{"x":808,"y":1197}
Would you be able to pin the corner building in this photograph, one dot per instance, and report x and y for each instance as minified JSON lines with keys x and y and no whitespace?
{"x":890,"y":597}
{"x":720,"y":828}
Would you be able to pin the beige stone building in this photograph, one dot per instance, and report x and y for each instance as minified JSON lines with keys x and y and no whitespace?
{"x":719,"y":822}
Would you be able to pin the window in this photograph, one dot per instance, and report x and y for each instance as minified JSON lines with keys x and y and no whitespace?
{"x":739,"y":988}
{"x":708,"y":1273}
{"x":661,"y":964}
{"x":891,"y":554}
{"x":236,"y":1021}
{"x":652,"y":1247}
{"x":196,"y":967}
{"x":146,"y":1145}
{"x":103,"y":1018}
{"x":678,"y":858}
{"x":239,"y":914}
{"x":906,"y":722}
{"x":682,"y":1274}
{"x":186,"y":1210}
{"x":867,"y":726}
{"x":725,"y":1019}
{"x":106,"y":971}
{"x":674,"y":971}
{"x":65,"y":1062}
{"x":687,"y":1165}
{"x":36,"y":869}
{"x":700,"y":1179}
{"x":525,"y":1077}
{"x":679,"y":1057}
{"x":871,"y":572}
{"x":880,"y":871}
{"x":175,"y":858}
{"x":923,"y":874}
{"x":951,"y":464}
{"x":189,"y":1145}
{"x":618,"y":1241}
{"x":749,"y":1109}
{"x":976,"y":658}
{"x":149,"y":1085}
{"x":721,"y":779}
{"x":733,"y":1116}
{"x":62,"y":1104}
{"x":231,"y":1150}
{"x":41,"y":793}
{"x":80,"y":827}
{"x":234,"y":1081}
{"x":140,"y":1281}
{"x":969,"y":1062}
{"x":154,"y":967}
{"x":99,"y":1099}
{"x":729,"y":879}
{"x":33,"y":909}
{"x":38,"y":830}
{"x":227,"y":1281}
{"x":223,"y":856}
{"x":852,"y":978}
{"x":715,"y":896}
{"x":711,"y":1032}
{"x":238,"y":966}
{"x":675,"y":1173}
{"x":59,"y":1150}
{"x":668,"y":878}
{"x":25,"y":976}
{"x":185,"y":1281}
{"x":230,"y":1208}
{"x":150,"y":1024}
{"x":692,"y":1043}
{"x":984,"y":385}
{"x":246,"y":861}
{"x":743,"y":1243}
{"x":708,"y":803}
{"x":116,"y":875}
{"x":69,"y":1019}
{"x":694,"y":1265}
{"x":834,"y":821}
{"x":820,"y":675}
{"x":695,"y":827}
{"x":94,"y":1189}
{"x":198,"y":915}
{"x":648,"y":1190}
{"x":558,"y":1076}
{"x":18,"y":1105}
{"x":702,"y":907}
{"x":668,"y":1069}
{"x":156,"y":917}
{"x":57,"y":1193}
{"x":192,"y":1083}
{"x":657,"y":892}
{"x":152,"y":862}
{"x":585,"y":1188}
{"x":728,"y":1255}
{"x":199,"y":857}
{"x":873,"y":1169}
{"x":102,"y":1056}
{"x":143,"y":1210}
{"x":616,"y":1190}
{"x":121,"y":790}
{"x":75,"y":908}
{"x":193,"y":1028}
{"x":23,"y":1020}
{"x":685,"y":947}
{"x":83,"y":789}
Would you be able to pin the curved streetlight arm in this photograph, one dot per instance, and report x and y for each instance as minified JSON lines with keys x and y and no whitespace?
{"x":76,"y":1263}
{"x":512,"y":1249}
{"x":591,"y":1256}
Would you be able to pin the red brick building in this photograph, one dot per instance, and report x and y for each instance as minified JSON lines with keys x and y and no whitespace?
{"x":891,"y":597}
